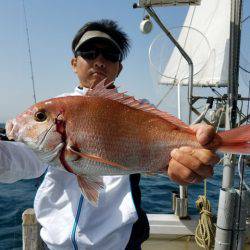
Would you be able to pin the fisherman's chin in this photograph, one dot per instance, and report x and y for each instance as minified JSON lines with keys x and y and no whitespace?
{"x":97,"y":78}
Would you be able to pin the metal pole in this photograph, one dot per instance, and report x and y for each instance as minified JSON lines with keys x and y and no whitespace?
{"x":224,"y":229}
{"x":231,"y":114}
{"x":239,"y":228}
{"x":182,"y":189}
{"x":225,"y":219}
{"x":179,"y":100}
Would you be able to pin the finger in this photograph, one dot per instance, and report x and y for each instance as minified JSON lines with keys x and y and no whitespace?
{"x":182,"y":175}
{"x":192,"y":163}
{"x":204,"y":133}
{"x":207,"y":157}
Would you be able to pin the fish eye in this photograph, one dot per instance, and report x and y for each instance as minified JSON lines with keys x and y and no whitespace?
{"x":40,"y":116}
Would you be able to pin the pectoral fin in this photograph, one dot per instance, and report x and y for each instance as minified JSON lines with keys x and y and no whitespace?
{"x":90,"y":188}
{"x":97,"y":159}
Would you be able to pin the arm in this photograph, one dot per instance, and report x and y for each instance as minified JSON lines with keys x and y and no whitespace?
{"x":189,"y":165}
{"x":18,"y":162}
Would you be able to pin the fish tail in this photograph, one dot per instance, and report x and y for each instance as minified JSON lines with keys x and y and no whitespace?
{"x":235,"y":141}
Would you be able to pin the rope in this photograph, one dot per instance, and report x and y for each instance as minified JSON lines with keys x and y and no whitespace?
{"x":205,"y":230}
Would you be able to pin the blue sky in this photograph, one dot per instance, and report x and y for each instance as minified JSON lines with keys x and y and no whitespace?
{"x":52,"y":25}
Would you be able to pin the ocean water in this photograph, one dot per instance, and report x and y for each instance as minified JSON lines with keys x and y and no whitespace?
{"x":156,"y":198}
{"x":14,"y":199}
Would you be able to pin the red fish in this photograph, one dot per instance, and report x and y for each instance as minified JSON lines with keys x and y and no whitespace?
{"x":109,"y":133}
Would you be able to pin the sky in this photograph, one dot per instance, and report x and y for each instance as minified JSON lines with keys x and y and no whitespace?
{"x":52,"y":25}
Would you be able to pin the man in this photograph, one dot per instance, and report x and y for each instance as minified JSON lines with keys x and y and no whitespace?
{"x":68,"y":221}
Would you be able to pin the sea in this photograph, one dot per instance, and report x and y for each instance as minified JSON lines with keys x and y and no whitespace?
{"x":156,"y":198}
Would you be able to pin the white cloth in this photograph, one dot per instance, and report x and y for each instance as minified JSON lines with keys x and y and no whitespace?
{"x":18,"y":162}
{"x":68,"y":220}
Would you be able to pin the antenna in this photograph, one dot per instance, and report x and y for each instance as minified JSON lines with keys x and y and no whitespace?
{"x":29,"y":52}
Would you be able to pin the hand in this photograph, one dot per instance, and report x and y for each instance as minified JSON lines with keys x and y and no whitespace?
{"x":189,"y":165}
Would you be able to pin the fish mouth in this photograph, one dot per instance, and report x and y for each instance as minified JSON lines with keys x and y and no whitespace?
{"x":14,"y":132}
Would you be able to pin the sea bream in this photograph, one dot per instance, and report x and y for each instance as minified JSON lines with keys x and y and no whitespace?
{"x":109,"y":133}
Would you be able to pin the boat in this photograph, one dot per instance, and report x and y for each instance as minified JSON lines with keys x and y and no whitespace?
{"x":177,"y":230}
{"x":206,"y":56}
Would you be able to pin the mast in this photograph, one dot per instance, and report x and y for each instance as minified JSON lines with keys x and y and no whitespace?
{"x":233,"y":77}
{"x":229,"y":198}
{"x":235,"y":32}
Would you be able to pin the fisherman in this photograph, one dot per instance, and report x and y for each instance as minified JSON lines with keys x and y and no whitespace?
{"x":118,"y":222}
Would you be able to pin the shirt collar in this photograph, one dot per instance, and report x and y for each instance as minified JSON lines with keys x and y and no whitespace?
{"x":81,"y":91}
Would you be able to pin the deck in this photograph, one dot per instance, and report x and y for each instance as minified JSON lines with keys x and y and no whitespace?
{"x":167,"y":232}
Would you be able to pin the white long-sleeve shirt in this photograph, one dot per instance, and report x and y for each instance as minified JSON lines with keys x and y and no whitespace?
{"x":68,"y":220}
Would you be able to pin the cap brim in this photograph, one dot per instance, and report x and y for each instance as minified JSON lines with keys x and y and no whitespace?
{"x":95,"y":35}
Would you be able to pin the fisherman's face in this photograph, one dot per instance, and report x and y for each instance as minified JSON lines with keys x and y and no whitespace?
{"x":93,"y":68}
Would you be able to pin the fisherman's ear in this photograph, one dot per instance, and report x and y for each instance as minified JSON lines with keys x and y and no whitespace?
{"x":74,"y":63}
{"x":120,"y":69}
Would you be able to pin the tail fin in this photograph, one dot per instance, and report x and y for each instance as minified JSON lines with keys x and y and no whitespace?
{"x":236,"y":141}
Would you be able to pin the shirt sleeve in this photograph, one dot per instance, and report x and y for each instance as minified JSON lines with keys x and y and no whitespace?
{"x":18,"y":162}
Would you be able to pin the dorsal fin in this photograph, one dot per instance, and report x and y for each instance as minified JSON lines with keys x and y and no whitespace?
{"x":102,"y":90}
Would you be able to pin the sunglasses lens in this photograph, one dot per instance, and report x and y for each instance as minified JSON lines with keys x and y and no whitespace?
{"x":113,"y":57}
{"x":88,"y":54}
{"x":94,"y":53}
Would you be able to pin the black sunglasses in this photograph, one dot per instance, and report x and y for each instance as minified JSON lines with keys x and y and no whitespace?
{"x":93,"y":53}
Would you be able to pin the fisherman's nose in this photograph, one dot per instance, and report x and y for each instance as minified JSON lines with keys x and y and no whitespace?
{"x":10,"y":129}
{"x":100,"y":62}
